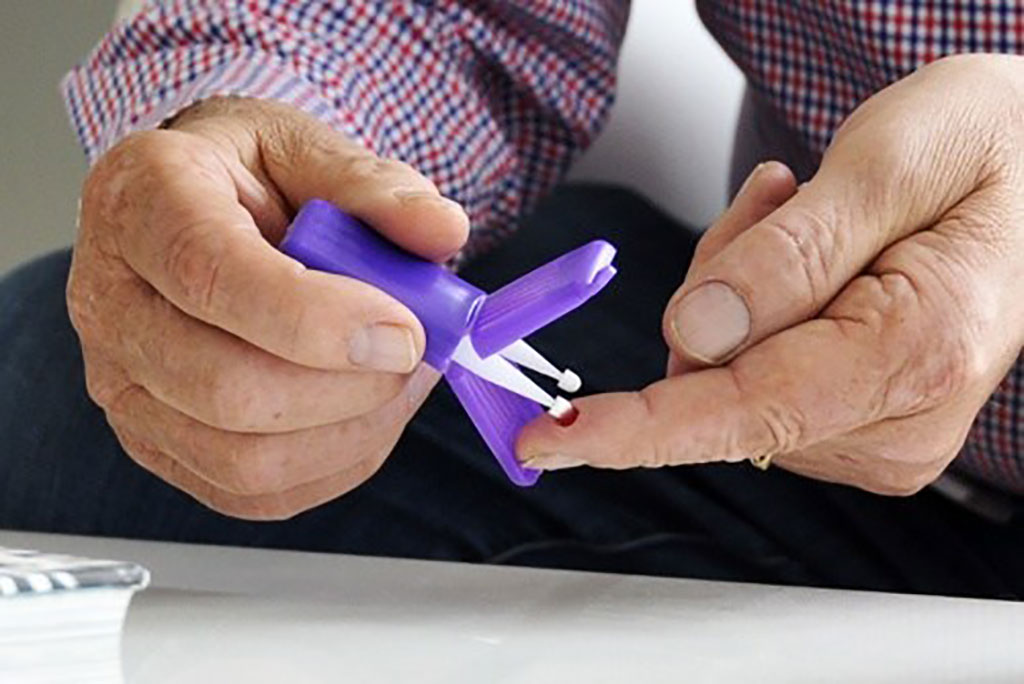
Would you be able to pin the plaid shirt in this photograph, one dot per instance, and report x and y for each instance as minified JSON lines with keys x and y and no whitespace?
{"x":493,"y":99}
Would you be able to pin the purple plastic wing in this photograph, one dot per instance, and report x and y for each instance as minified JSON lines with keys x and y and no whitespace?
{"x":498,"y":415}
{"x":541,"y":296}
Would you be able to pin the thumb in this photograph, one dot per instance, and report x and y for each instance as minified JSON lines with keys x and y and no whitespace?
{"x":789,"y":265}
{"x":304,"y":158}
{"x":312,"y":160}
{"x":767,"y":188}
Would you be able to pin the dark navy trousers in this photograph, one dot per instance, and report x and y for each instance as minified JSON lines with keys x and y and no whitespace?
{"x":440,"y":495}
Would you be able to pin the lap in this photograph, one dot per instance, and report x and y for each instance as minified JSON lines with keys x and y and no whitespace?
{"x":441,"y":496}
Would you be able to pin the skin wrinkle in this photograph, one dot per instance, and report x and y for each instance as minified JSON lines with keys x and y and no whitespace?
{"x":652,"y":454}
{"x":811,"y":258}
{"x":922,"y":337}
{"x":194,"y":271}
{"x":231,"y":401}
{"x":783,"y":426}
{"x":242,"y":157}
{"x":145,"y":199}
{"x":215,"y":382}
{"x":953,"y":376}
{"x":244,"y":466}
{"x":251,"y":464}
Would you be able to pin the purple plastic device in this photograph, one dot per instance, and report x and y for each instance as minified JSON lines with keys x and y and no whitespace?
{"x":474,"y":338}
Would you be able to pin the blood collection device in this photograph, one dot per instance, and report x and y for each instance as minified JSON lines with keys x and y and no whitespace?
{"x":475,"y":339}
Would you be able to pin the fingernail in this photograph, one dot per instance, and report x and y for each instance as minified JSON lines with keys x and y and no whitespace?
{"x":383,"y":347}
{"x":750,"y":178}
{"x":552,"y":462}
{"x":711,"y":321}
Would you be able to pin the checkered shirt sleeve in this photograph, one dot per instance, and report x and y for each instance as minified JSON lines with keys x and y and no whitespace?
{"x":490,"y":99}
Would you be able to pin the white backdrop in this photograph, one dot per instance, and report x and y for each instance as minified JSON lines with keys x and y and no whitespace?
{"x":670,"y":134}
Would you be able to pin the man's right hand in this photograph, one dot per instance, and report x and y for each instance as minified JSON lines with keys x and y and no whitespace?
{"x":226,"y":368}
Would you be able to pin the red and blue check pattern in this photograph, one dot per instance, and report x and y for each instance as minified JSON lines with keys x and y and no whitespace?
{"x":816,"y":60}
{"x":493,"y":99}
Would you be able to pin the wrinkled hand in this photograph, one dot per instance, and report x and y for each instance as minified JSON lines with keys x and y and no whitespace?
{"x":224,"y":367}
{"x":851,"y":328}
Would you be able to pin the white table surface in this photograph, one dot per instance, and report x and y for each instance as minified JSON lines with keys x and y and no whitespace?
{"x":216,"y":614}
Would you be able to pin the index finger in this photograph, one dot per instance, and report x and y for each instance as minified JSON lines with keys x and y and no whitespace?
{"x":192,"y":240}
{"x":797,"y":388}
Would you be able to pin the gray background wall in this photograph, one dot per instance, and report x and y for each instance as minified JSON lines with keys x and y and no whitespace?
{"x":41,"y":165}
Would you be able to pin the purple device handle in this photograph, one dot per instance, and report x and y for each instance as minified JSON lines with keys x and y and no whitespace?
{"x":327,"y":239}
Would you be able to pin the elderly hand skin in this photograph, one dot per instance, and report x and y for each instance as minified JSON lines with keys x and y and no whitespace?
{"x":225,"y":368}
{"x":851,"y":328}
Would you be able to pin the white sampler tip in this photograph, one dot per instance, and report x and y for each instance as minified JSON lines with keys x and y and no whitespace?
{"x":560,"y":408}
{"x":521,"y":353}
{"x":569,"y":382}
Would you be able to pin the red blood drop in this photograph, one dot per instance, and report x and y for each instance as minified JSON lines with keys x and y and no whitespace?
{"x":569,"y":417}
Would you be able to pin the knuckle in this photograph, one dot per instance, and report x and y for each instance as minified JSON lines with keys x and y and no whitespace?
{"x":916,"y":365}
{"x":360,"y":168}
{"x":92,"y":297}
{"x":279,"y":146}
{"x":138,"y":450}
{"x":106,"y":387}
{"x":780,"y":429}
{"x":811,"y":242}
{"x":391,"y":167}
{"x":952,"y":372}
{"x":771,"y":426}
{"x":192,"y":262}
{"x":653,"y":451}
{"x":99,"y":386}
{"x":129,"y":181}
{"x":657,"y":454}
{"x":930,"y":378}
{"x":232,"y":398}
{"x":108,"y":187}
{"x":298,"y":332}
{"x":251,"y":466}
{"x":289,"y":137}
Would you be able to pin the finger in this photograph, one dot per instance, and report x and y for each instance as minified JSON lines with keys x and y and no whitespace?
{"x":227,"y":383}
{"x":303,"y":158}
{"x":249,"y":464}
{"x":797,"y":388}
{"x":869,"y":192}
{"x":769,"y":185}
{"x":307,"y":159}
{"x":280,"y":505}
{"x":186,"y":234}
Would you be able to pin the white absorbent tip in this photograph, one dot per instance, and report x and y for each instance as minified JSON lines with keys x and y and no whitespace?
{"x":569,"y":382}
{"x":560,"y":408}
